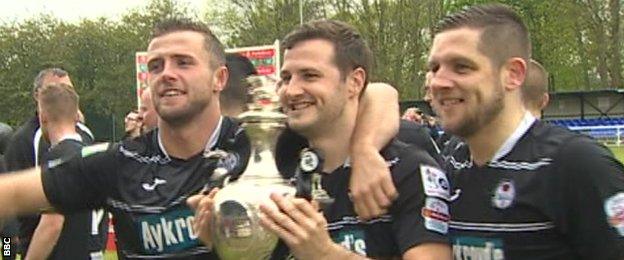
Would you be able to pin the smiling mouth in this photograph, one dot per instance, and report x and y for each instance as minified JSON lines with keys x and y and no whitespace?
{"x":451,"y":101}
{"x":171,"y":93}
{"x":298,"y":106}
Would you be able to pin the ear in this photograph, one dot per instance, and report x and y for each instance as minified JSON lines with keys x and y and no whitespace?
{"x":516,"y":69}
{"x":355,"y":82}
{"x":220,"y":78}
{"x":545,"y":100}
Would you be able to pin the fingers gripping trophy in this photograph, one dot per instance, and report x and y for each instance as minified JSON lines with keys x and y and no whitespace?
{"x":236,"y":229}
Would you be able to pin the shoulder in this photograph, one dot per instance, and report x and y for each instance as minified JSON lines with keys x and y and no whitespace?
{"x":145,"y":144}
{"x":403,"y":154}
{"x":406,"y":161}
{"x":554,"y":141}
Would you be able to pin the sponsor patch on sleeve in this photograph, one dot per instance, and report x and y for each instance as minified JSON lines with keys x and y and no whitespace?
{"x":93,"y":149}
{"x":614,"y":208}
{"x":436,"y":215}
{"x":434,"y":182}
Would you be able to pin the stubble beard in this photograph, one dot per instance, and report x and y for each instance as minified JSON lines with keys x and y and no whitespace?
{"x":483,"y":115}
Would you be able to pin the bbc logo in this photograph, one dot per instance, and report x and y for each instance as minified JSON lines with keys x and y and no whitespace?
{"x":6,"y":246}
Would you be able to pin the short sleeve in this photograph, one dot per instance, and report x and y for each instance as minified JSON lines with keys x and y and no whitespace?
{"x":82,"y":181}
{"x":594,"y":192}
{"x":420,"y":217}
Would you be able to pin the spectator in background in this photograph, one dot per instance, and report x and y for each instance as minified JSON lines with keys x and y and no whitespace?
{"x":6,"y":132}
{"x":144,"y":120}
{"x":233,"y":98}
{"x":26,"y":147}
{"x":58,"y":236}
{"x":535,"y":89}
{"x":10,"y":227}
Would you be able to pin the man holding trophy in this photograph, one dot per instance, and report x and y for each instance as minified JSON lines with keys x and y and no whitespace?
{"x":325,"y":71}
{"x":145,"y":181}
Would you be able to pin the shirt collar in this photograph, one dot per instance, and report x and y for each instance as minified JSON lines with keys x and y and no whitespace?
{"x":512,"y":140}
{"x":74,"y":136}
{"x":210,"y":145}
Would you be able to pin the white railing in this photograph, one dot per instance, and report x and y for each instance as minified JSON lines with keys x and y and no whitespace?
{"x":607,"y":134}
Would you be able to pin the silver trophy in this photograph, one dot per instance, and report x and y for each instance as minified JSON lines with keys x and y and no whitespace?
{"x":236,"y":229}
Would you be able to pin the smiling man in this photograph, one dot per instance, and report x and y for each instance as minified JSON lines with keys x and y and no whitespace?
{"x":144,"y":181}
{"x":528,"y":190}
{"x":326,"y":68}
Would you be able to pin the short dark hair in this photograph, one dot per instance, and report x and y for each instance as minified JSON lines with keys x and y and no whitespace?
{"x":235,"y":91}
{"x":350,"y":49}
{"x":535,"y":84}
{"x":59,"y":100}
{"x":504,"y":33}
{"x":38,"y":83}
{"x":212,"y":45}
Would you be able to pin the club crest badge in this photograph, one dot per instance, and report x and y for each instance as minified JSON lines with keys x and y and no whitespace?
{"x":504,"y":194}
{"x":614,"y":208}
{"x":310,"y":161}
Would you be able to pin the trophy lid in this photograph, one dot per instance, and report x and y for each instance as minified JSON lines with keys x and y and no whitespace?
{"x":263,"y":102}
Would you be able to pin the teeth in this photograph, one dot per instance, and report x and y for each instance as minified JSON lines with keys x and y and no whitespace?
{"x":447,"y":102}
{"x":298,"y":106}
{"x":171,"y":93}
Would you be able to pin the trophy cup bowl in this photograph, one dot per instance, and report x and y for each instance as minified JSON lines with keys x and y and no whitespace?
{"x":236,"y":229}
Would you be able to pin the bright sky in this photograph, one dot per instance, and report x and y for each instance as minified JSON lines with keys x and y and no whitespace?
{"x":74,"y":10}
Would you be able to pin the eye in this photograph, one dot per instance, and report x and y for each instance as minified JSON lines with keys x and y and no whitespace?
{"x":310,"y":76}
{"x":184,"y":61}
{"x":462,"y":68}
{"x":154,"y":66}
{"x":433,"y":67}
{"x":285,"y":80}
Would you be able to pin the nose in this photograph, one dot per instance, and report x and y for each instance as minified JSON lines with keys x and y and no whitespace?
{"x":440,"y":81}
{"x":166,"y":74}
{"x":291,"y":89}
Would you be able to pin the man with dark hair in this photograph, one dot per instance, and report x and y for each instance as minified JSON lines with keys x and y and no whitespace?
{"x":535,"y":89}
{"x":320,"y":94}
{"x":371,"y":187}
{"x":527,"y":190}
{"x":144,"y":181}
{"x":234,"y":96}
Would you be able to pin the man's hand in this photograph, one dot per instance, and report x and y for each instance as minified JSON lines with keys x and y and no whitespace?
{"x":300,"y":226}
{"x":202,"y":205}
{"x":372,"y":190}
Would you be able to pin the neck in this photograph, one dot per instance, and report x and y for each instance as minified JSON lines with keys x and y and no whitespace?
{"x":233,"y":110}
{"x":333,"y":142}
{"x":487,"y":141}
{"x":186,"y":140}
{"x":56,"y":131}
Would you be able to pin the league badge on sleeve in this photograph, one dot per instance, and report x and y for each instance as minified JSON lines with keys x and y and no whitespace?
{"x":504,"y":194}
{"x":434,"y":182}
{"x":436,"y":215}
{"x":614,"y":208}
